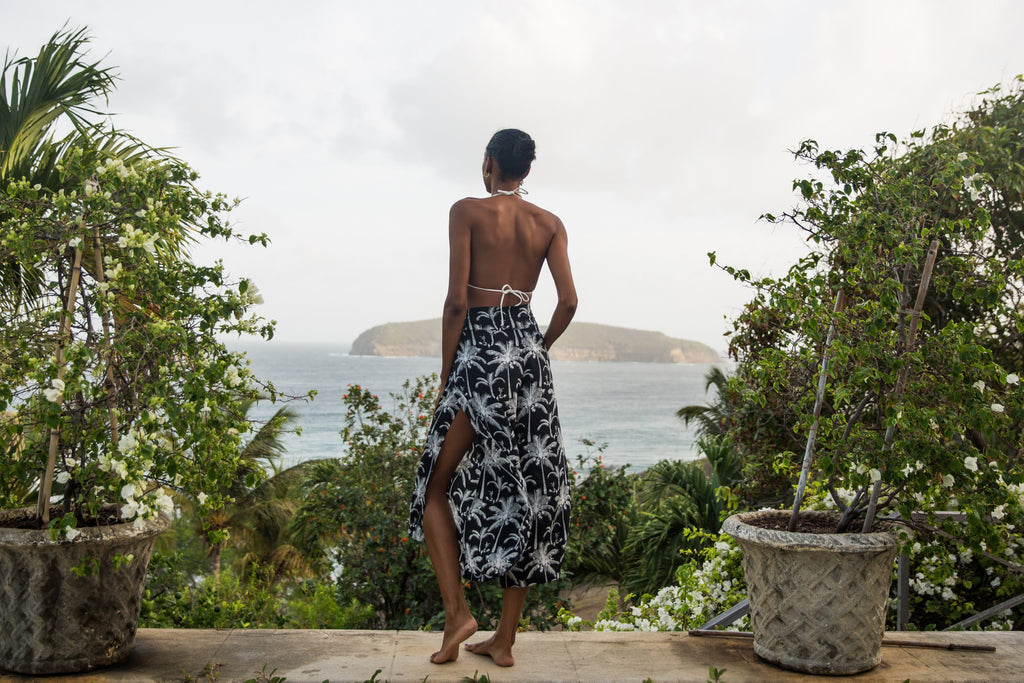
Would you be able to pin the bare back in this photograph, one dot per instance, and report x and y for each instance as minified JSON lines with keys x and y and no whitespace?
{"x":497,"y":241}
{"x":509,"y":241}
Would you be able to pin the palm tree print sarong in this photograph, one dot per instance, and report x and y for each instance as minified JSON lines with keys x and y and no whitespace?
{"x":510,"y":493}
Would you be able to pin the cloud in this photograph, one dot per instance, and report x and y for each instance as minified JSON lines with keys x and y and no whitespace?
{"x":662,"y":130}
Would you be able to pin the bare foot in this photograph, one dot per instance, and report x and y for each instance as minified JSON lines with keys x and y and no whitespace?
{"x":454,"y":634}
{"x":500,"y":652}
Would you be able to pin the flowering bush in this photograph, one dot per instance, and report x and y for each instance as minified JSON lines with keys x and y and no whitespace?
{"x":926,"y":424}
{"x":707,"y":585}
{"x":141,"y":397}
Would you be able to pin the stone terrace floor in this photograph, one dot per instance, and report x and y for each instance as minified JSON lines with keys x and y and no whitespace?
{"x":340,"y":656}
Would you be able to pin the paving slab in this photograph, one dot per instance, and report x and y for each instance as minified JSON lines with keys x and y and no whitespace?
{"x":314,"y":656}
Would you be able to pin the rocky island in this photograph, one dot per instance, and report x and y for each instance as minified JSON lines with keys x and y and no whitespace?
{"x":581,"y":342}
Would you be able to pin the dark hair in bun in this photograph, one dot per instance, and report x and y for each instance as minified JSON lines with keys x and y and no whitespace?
{"x":514,"y":151}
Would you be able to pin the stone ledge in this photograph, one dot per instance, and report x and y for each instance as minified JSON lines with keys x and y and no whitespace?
{"x":402,"y":657}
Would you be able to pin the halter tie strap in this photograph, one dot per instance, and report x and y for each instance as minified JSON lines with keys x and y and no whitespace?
{"x":506,"y":290}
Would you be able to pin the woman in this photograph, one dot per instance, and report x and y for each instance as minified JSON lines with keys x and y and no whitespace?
{"x":492,"y":494}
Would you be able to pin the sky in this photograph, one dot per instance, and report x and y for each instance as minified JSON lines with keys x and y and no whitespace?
{"x":663,"y":130}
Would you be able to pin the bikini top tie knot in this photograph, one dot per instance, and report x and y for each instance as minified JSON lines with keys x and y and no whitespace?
{"x":506,"y":290}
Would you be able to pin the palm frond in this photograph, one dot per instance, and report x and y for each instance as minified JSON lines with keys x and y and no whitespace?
{"x":35,"y":93}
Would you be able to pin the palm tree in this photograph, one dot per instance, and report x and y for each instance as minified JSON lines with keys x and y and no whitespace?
{"x":56,"y":84}
{"x":710,"y":419}
{"x":675,"y":499}
{"x":259,"y":517}
{"x":40,"y":97}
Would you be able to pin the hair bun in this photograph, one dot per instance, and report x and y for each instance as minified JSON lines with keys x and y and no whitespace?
{"x":526,"y":146}
{"x":514,"y":151}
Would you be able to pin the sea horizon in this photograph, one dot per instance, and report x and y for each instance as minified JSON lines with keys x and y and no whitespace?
{"x":629,"y":406}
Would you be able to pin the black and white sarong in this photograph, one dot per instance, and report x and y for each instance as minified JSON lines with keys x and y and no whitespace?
{"x":510,"y":493}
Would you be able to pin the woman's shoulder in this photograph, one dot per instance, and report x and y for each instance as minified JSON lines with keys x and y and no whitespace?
{"x":478,"y":206}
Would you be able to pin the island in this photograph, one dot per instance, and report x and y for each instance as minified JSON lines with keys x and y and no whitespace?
{"x":581,"y":342}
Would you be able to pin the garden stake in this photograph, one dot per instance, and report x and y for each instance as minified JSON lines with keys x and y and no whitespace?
{"x":888,"y":642}
{"x":97,"y":248}
{"x":901,"y":378}
{"x":43,"y":506}
{"x":818,"y":400}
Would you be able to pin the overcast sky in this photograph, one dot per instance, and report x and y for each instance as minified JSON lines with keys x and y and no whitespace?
{"x":662,"y":130}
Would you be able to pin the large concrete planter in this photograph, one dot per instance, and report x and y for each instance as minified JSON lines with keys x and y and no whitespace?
{"x":54,"y":621}
{"x":817,"y":601}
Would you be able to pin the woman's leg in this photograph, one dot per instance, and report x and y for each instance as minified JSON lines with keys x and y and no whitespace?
{"x":442,"y":543}
{"x":499,"y":646}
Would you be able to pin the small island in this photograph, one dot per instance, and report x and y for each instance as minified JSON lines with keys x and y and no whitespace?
{"x":581,"y":342}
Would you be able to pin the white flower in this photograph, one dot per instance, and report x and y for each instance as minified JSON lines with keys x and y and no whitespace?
{"x":55,"y":394}
{"x":72,"y":533}
{"x":252,"y":292}
{"x":130,"y":509}
{"x":231,"y":377}
{"x":119,"y":468}
{"x":875,"y":475}
{"x":971,"y":463}
{"x":979,"y":385}
{"x":971,"y":189}
{"x":164,"y":503}
{"x":997,"y":407}
{"x":202,"y":498}
{"x":999,"y":512}
{"x":962,"y":156}
{"x":862,"y":468}
{"x":947,"y":480}
{"x":130,"y":491}
{"x":127,"y":443}
{"x":1012,"y":378}
{"x":63,"y":477}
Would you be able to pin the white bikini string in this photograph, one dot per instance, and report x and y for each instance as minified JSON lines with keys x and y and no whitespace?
{"x":506,"y":289}
{"x":519,"y":192}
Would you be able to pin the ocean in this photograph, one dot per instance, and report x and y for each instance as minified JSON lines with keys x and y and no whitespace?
{"x":628,"y":406}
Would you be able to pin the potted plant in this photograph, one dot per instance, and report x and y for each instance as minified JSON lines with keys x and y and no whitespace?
{"x":115,"y":387}
{"x":887,"y":356}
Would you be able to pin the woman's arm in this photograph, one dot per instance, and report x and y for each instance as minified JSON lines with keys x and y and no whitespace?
{"x":455,"y":304}
{"x":561,"y":273}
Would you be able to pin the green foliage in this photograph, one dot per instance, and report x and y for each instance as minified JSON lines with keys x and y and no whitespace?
{"x":949,"y":582}
{"x":176,"y":597}
{"x":176,"y":600}
{"x":143,"y":393}
{"x":637,"y":529}
{"x":319,"y":604}
{"x":675,"y":499}
{"x":708,"y":581}
{"x":956,"y":421}
{"x":355,"y":518}
{"x":602,"y":516}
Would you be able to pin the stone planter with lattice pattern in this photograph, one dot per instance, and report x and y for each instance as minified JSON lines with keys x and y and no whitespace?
{"x":817,"y":601}
{"x":54,"y":621}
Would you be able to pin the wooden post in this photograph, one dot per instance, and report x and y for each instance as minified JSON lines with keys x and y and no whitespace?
{"x":902,"y":377}
{"x":46,"y":486}
{"x":818,"y":400}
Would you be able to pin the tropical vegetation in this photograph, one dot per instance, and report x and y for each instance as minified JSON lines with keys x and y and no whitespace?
{"x":884,"y":366}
